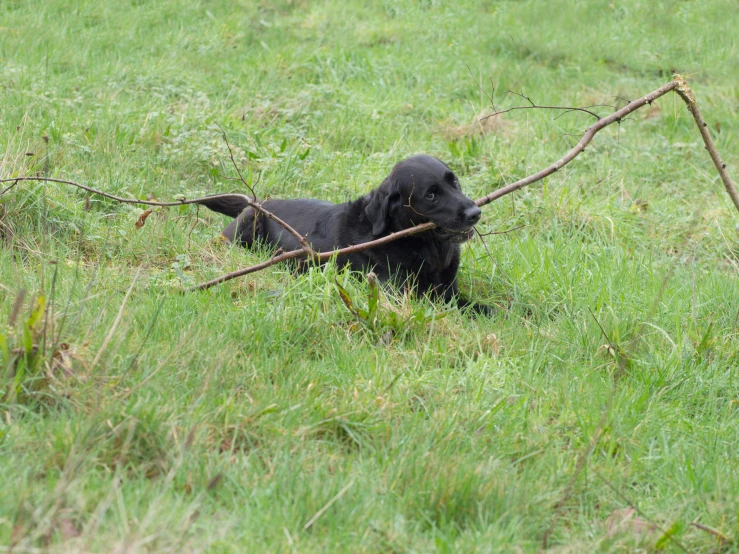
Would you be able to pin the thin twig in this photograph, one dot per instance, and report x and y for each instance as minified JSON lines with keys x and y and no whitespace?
{"x":180,"y":202}
{"x":6,"y":189}
{"x":580,"y":146}
{"x":538,"y":107}
{"x":251,"y":201}
{"x":257,"y":206}
{"x":503,"y":191}
{"x":489,"y":97}
{"x":678,"y":83}
{"x":236,"y":166}
{"x":687,"y":95}
{"x":499,"y":232}
{"x":320,"y":257}
{"x":183,"y":201}
{"x":568,"y":110}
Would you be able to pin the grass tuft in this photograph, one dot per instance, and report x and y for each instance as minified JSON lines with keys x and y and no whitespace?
{"x":271,"y":414}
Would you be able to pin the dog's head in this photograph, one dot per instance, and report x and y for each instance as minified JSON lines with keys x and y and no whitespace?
{"x":418,"y":190}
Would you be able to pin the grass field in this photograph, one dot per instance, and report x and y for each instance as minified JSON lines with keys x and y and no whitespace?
{"x":259,"y":416}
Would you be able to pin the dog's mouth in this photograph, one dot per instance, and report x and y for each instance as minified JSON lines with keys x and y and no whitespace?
{"x":453,"y":235}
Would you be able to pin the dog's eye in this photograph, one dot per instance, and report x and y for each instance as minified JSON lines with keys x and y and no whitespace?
{"x":430,"y":195}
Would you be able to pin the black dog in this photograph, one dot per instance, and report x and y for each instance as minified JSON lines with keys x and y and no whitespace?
{"x":418,"y":190}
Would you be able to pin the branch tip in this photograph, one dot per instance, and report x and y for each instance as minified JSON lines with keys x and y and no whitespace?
{"x":678,"y":84}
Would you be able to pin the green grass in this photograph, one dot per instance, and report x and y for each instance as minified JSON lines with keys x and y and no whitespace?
{"x":224,"y":421}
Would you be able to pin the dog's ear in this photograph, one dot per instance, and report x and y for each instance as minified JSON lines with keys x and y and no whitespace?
{"x":383,"y":202}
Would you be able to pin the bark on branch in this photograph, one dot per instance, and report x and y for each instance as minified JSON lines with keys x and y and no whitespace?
{"x":249,"y":200}
{"x":678,"y":84}
{"x":683,"y":90}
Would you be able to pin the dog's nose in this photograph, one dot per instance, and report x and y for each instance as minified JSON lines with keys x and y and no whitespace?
{"x":472,"y":215}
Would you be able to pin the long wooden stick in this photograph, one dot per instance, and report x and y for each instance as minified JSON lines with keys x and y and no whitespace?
{"x":602,"y":123}
{"x":687,"y":95}
{"x":678,"y":84}
{"x":256,"y":205}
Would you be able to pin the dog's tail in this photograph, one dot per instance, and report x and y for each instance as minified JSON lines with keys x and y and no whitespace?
{"x":228,"y":205}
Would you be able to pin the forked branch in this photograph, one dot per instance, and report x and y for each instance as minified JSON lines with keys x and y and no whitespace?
{"x":678,"y":84}
{"x":532,"y":105}
{"x":686,"y":94}
{"x":681,"y":87}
